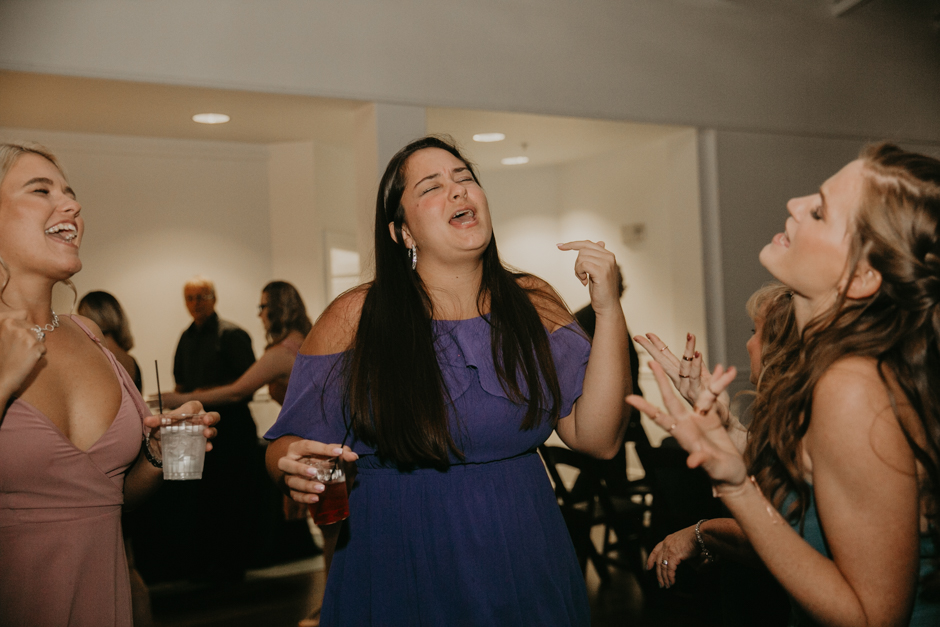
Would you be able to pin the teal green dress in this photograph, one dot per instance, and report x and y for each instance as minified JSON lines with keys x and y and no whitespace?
{"x":926,"y":614}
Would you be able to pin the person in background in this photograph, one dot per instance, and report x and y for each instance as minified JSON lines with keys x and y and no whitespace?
{"x":843,"y":500}
{"x":286,"y":324}
{"x":442,"y":376}
{"x":104,"y":310}
{"x":750,"y":596}
{"x":75,"y":435}
{"x":212,"y":352}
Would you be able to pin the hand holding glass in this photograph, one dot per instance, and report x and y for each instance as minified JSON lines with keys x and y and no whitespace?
{"x":183,"y":441}
{"x":333,"y":503}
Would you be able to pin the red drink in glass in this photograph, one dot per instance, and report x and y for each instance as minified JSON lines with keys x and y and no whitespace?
{"x":333,"y":505}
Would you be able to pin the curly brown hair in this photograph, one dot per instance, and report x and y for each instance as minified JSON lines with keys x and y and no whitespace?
{"x":897,"y":231}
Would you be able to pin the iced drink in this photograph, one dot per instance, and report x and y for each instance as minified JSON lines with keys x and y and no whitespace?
{"x":333,"y":505}
{"x":184,"y":446}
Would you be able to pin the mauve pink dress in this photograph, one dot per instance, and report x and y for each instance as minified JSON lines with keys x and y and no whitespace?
{"x":61,"y":553}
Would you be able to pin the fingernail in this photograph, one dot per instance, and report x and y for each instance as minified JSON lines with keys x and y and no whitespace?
{"x":337,"y":451}
{"x":698,"y":354}
{"x":311,"y":470}
{"x":660,"y":586}
{"x":319,"y":487}
{"x":688,"y":337}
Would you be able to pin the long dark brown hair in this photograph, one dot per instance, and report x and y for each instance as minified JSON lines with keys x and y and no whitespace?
{"x":897,"y":231}
{"x":395,"y":389}
{"x":103,"y":309}
{"x":286,"y":312}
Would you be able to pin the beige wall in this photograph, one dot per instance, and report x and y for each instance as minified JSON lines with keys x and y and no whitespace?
{"x":654,"y":183}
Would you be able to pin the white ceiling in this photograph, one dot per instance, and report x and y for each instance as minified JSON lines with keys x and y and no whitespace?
{"x":86,"y":105}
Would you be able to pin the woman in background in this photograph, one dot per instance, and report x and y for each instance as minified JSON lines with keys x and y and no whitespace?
{"x":286,"y":324}
{"x":750,"y":596}
{"x":845,"y":440}
{"x":104,"y":310}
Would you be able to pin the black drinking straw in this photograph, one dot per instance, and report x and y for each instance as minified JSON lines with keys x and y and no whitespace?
{"x":159,"y":395}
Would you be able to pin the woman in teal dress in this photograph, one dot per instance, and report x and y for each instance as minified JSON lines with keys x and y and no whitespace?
{"x":844,"y":447}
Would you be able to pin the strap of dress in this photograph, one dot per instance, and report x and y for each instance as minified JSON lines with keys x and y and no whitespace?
{"x":122,"y":375}
{"x":291,"y":344}
{"x":82,"y":326}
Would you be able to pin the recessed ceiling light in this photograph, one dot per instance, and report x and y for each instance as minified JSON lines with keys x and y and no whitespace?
{"x":211,"y":118}
{"x":489,"y":137}
{"x":514,"y":160}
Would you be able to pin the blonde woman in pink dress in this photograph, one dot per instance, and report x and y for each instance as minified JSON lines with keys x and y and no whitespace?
{"x":72,"y":452}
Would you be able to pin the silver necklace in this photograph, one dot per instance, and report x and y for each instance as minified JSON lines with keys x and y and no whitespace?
{"x":41,"y":331}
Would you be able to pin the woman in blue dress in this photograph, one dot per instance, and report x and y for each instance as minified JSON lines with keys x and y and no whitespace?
{"x":442,"y":376}
{"x":844,"y":446}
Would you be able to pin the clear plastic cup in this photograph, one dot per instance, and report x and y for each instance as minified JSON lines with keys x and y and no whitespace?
{"x":333,"y":505}
{"x":183,"y":445}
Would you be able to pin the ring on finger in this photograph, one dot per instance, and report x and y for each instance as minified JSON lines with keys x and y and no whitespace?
{"x":673,"y":426}
{"x":684,"y":376}
{"x":665,"y":562}
{"x":684,"y":358}
{"x":663,"y":348}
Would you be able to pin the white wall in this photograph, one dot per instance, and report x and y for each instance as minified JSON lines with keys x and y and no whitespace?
{"x":653,"y":183}
{"x":158,"y":212}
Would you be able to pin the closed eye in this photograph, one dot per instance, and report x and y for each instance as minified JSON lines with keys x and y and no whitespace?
{"x":430,"y":189}
{"x":816,"y":213}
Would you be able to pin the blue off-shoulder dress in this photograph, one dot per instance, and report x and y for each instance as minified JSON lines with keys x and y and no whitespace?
{"x":482,"y":543}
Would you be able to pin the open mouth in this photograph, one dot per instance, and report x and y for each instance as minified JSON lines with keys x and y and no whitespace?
{"x":64,"y":231}
{"x":464,"y":216}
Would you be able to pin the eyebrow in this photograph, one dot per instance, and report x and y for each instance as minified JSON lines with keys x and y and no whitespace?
{"x":50,"y":182}
{"x":432,"y":176}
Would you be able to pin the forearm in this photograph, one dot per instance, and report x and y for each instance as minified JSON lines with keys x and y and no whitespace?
{"x":218,"y":396}
{"x":724,"y":539}
{"x":141,"y":481}
{"x":811,"y":579}
{"x":600,"y":416}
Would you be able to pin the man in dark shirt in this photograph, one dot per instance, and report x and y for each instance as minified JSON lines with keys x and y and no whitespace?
{"x":213,"y":352}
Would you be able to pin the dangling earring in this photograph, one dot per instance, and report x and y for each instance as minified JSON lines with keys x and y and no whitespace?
{"x":413,"y":255}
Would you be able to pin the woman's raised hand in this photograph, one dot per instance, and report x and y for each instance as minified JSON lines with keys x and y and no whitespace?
{"x":297,"y":473}
{"x":699,"y":430}
{"x":689,"y":374}
{"x":596,"y":267}
{"x":20,"y":351}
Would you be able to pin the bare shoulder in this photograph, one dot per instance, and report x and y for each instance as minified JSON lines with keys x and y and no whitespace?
{"x":854,"y":418}
{"x":551,"y":307}
{"x":335,"y":329}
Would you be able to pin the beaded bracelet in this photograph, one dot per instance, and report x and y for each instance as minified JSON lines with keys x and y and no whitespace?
{"x":145,"y":445}
{"x":709,"y":556}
